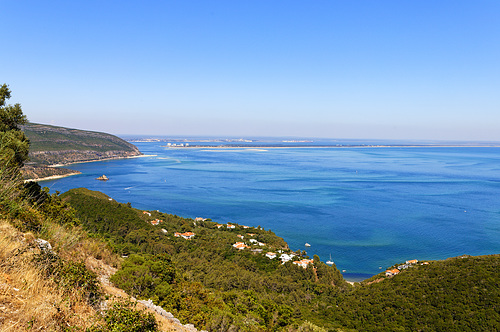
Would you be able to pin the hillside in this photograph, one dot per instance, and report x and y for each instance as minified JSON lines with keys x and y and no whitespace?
{"x":207,"y":282}
{"x":52,"y":145}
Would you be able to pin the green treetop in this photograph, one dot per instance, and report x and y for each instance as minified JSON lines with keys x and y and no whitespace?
{"x":14,"y":145}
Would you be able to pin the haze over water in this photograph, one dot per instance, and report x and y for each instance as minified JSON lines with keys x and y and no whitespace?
{"x":367,"y":207}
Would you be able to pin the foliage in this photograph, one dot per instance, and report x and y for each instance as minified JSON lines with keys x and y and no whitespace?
{"x":14,"y":148}
{"x":205,"y":281}
{"x":123,"y":316}
{"x":217,"y":287}
{"x":69,"y":275}
{"x":14,"y":145}
{"x":457,"y":294}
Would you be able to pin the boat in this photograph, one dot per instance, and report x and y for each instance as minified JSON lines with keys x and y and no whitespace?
{"x":307,"y":244}
{"x":329,"y":262}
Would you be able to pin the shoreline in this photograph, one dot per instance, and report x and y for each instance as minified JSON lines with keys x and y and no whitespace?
{"x":55,"y":177}
{"x":325,"y":146}
{"x":52,"y":177}
{"x":103,"y":159}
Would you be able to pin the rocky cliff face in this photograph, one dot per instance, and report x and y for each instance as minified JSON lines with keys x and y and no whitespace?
{"x":52,"y":145}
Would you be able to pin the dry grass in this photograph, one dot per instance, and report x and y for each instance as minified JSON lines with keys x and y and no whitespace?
{"x":29,"y":300}
{"x":73,"y":243}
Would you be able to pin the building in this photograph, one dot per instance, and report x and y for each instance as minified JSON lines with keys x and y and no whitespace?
{"x":156,"y":222}
{"x":271,"y":255}
{"x":303,"y":263}
{"x":412,"y":261}
{"x":230,"y":226}
{"x":187,"y":235}
{"x":392,"y":272}
{"x":286,"y":258}
{"x":240,"y":245}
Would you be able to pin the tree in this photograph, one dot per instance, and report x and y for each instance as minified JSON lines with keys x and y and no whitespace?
{"x":14,"y":145}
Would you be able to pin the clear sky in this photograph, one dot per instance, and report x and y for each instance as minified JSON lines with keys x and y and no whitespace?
{"x":338,"y":69}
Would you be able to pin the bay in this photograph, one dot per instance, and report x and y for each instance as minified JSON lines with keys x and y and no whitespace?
{"x":367,"y":207}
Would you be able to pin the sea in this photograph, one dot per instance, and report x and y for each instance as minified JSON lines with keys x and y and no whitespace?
{"x":364,"y":206}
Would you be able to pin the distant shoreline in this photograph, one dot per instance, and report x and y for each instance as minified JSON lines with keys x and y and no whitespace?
{"x":55,"y":177}
{"x":323,"y":146}
{"x":103,"y":159}
{"x":52,"y":177}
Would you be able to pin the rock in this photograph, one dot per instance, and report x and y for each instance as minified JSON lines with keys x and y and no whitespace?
{"x":43,"y":245}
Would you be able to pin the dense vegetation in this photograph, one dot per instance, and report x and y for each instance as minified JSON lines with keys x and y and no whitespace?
{"x":458,"y":294}
{"x":208,"y":282}
{"x":205,"y":280}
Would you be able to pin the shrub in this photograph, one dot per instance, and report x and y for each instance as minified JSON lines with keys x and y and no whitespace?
{"x":123,"y":316}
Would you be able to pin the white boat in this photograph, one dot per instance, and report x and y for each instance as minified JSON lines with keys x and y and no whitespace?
{"x":307,"y":245}
{"x":329,"y":262}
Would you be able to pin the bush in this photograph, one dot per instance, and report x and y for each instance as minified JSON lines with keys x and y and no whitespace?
{"x":76,"y":275}
{"x":123,"y":316}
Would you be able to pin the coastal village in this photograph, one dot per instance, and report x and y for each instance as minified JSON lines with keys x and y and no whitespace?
{"x":246,"y":241}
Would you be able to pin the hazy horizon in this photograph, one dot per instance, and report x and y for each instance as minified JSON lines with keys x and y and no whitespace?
{"x":353,"y":70}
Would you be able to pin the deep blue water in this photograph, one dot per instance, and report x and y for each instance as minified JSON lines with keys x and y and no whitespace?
{"x":368,"y":208}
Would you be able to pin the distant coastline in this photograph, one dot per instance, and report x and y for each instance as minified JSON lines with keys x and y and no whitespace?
{"x":55,"y":177}
{"x":101,"y":159}
{"x":323,"y":146}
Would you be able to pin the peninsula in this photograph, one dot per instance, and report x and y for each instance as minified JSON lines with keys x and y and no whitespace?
{"x":53,"y":146}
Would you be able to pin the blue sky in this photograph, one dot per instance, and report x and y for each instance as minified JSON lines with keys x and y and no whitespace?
{"x":337,"y":69}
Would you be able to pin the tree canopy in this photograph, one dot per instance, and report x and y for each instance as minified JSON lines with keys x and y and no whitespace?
{"x":14,"y":145}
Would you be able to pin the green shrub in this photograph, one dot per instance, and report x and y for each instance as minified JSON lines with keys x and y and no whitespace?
{"x":123,"y":317}
{"x":76,"y":275}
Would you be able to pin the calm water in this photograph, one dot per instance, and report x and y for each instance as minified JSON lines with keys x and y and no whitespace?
{"x":368,"y":208}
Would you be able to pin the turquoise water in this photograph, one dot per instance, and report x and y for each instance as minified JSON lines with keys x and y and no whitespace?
{"x":368,"y":208}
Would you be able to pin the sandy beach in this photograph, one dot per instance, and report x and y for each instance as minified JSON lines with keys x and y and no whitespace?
{"x":103,"y":159}
{"x":53,"y":177}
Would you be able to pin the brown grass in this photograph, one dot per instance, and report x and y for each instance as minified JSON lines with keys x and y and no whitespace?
{"x":29,"y":300}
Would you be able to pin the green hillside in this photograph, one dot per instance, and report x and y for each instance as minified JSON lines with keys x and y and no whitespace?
{"x":59,"y":145}
{"x":210,"y":282}
{"x":52,"y":145}
{"x":206,"y":281}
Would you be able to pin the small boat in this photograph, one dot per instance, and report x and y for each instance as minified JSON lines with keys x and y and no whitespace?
{"x":307,"y":245}
{"x":329,"y":262}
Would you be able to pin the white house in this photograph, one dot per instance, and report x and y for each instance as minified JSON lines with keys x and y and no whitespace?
{"x":303,"y":263}
{"x":240,"y":245}
{"x":271,"y":255}
{"x":286,"y":258}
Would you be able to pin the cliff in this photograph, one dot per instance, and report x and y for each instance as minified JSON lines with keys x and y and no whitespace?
{"x":53,"y":145}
